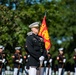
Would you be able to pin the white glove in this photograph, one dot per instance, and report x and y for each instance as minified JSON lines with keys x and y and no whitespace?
{"x":28,"y":56}
{"x":45,"y":62}
{"x":64,"y":60}
{"x":20,"y":61}
{"x":41,"y":58}
{"x":50,"y":60}
{"x":17,"y":60}
{"x":3,"y":60}
{"x":0,"y":60}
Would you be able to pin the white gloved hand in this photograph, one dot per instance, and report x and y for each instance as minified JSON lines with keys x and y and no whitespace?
{"x":17,"y":60}
{"x":50,"y":60}
{"x":3,"y":60}
{"x":0,"y":60}
{"x":64,"y":60}
{"x":45,"y":62}
{"x":28,"y":56}
{"x":20,"y":61}
{"x":41,"y":58}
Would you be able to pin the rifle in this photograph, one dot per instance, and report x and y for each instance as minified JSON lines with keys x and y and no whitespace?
{"x":1,"y":69}
{"x":62,"y":69}
{"x":18,"y":65}
{"x":63,"y":66}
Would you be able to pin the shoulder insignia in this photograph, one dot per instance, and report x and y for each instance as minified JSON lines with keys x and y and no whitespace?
{"x":29,"y":33}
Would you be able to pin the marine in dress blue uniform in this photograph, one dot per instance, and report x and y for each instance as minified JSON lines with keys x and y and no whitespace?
{"x":3,"y":60}
{"x":17,"y":60}
{"x":74,"y":57}
{"x":35,"y":48}
{"x":61,"y":62}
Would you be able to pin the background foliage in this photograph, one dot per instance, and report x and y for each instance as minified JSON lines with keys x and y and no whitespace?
{"x":60,"y":18}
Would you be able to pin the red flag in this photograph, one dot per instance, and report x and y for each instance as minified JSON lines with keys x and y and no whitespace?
{"x":44,"y":33}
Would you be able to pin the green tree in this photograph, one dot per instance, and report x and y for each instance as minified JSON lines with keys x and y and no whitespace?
{"x":60,"y":18}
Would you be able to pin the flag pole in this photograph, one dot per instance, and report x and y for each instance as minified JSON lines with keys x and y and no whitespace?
{"x":45,"y":14}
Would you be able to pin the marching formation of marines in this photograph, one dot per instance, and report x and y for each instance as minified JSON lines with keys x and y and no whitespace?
{"x":37,"y":60}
